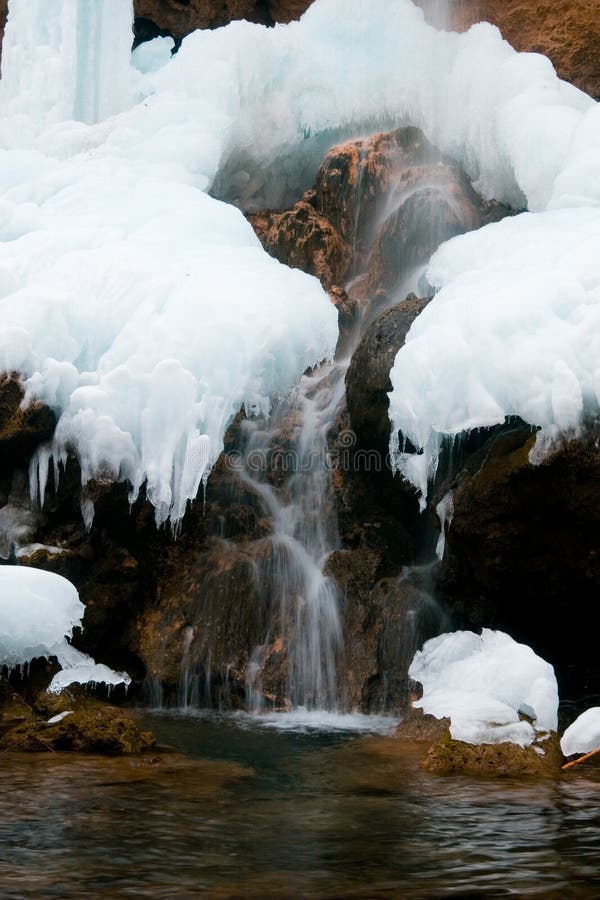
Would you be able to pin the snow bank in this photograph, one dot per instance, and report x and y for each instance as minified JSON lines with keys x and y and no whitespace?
{"x":146,"y":312}
{"x":484,"y":684}
{"x":515,"y":331}
{"x":583,"y":736}
{"x":38,"y":611}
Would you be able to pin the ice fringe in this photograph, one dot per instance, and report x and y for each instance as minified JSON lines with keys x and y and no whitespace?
{"x":145,"y":312}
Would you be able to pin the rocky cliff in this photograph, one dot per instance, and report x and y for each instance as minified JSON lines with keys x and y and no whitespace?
{"x":567,"y":31}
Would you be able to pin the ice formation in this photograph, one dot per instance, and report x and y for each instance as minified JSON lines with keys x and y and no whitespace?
{"x":145,"y":312}
{"x":583,"y":736}
{"x":38,"y":611}
{"x":488,"y":685}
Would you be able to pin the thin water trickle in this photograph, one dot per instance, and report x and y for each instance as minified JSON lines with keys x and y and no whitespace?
{"x":304,"y":535}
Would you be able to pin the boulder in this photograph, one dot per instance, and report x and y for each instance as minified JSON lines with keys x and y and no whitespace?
{"x":70,"y":721}
{"x":417,"y":726}
{"x":449,"y":757}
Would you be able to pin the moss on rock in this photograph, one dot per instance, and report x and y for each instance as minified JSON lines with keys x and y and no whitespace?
{"x":450,"y":757}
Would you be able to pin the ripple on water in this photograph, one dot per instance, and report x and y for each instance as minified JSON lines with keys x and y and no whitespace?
{"x":296,"y":811}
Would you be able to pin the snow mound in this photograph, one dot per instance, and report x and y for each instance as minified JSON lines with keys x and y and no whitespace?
{"x":583,"y":736}
{"x":515,"y":331}
{"x":486,"y":684}
{"x":38,"y":611}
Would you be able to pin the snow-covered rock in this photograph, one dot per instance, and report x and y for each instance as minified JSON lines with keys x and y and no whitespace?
{"x":583,"y":736}
{"x":488,"y":685}
{"x":38,"y":611}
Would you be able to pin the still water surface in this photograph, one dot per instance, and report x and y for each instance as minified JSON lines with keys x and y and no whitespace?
{"x":257,"y":811}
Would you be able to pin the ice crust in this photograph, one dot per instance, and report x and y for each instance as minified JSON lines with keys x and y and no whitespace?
{"x":145,"y":312}
{"x":485,"y":684}
{"x":583,"y":736}
{"x":38,"y":611}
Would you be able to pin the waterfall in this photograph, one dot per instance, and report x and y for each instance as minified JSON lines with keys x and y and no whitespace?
{"x":305,"y":600}
{"x":62,"y":60}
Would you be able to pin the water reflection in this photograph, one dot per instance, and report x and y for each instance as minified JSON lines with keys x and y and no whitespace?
{"x":283,"y":814}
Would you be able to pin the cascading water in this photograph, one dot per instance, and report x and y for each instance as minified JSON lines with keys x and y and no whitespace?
{"x":294,"y":649}
{"x":305,"y":599}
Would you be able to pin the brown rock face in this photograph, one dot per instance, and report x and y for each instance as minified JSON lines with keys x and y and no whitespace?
{"x":305,"y":239}
{"x":522,"y":551}
{"x":178,"y":18}
{"x":21,"y":428}
{"x":368,"y":378}
{"x":379,"y":208}
{"x":567,"y":31}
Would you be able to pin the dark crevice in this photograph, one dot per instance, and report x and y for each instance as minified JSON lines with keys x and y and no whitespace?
{"x":146,"y":30}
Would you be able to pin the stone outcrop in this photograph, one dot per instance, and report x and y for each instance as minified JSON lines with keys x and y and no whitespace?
{"x":565,"y":30}
{"x":379,"y":207}
{"x":304,"y":238}
{"x":21,"y":428}
{"x":521,"y":552}
{"x":178,"y":18}
{"x":448,"y":757}
{"x":71,"y":721}
{"x":368,"y":378}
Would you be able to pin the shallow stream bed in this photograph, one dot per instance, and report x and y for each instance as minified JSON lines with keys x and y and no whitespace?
{"x":315,"y":809}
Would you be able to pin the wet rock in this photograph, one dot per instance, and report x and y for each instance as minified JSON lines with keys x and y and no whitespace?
{"x":304,"y":239}
{"x":566,"y":32}
{"x":368,"y":378}
{"x":21,"y":428}
{"x":196,"y":642}
{"x":417,"y":726}
{"x":70,"y":721}
{"x":14,"y":711}
{"x":385,"y":621}
{"x":522,"y":554}
{"x":449,"y":757}
{"x":379,"y":208}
